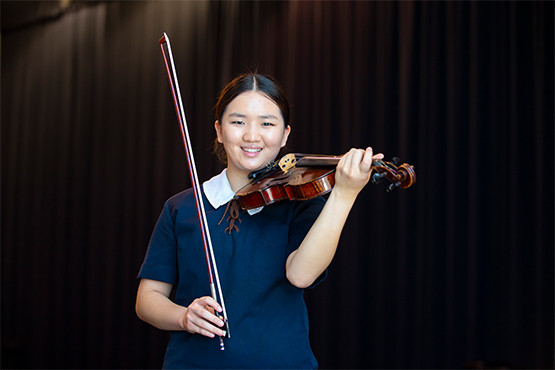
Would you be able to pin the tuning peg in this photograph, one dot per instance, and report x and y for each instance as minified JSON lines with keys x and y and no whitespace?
{"x":393,"y":186}
{"x":396,"y":161}
{"x":377,"y":177}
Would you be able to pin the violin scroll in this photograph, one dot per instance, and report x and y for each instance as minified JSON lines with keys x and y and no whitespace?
{"x":402,"y":176}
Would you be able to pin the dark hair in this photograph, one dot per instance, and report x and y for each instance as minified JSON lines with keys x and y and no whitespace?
{"x":264,"y":84}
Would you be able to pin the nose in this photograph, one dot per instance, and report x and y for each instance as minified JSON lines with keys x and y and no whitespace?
{"x":251,"y":133}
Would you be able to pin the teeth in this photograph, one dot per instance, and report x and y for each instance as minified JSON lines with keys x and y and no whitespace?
{"x":251,"y":150}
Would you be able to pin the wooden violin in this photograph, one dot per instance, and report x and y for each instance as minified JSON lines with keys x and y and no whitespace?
{"x":301,"y":177}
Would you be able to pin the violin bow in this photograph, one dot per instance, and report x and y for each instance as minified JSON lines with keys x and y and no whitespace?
{"x":206,"y":240}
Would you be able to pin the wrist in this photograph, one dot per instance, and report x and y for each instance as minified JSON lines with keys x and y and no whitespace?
{"x":181,"y":318}
{"x":344,"y":196}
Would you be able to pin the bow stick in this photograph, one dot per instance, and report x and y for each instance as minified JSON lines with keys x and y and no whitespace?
{"x":206,"y":241}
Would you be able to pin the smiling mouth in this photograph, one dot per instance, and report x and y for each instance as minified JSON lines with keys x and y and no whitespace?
{"x":251,"y":150}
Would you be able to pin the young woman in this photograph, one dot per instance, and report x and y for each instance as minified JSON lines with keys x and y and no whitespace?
{"x":264,"y":264}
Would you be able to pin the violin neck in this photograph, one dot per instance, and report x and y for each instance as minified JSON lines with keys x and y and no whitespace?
{"x":312,"y":160}
{"x":315,"y":160}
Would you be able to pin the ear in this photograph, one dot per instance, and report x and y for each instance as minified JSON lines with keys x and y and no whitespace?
{"x":218,"y":131}
{"x":286,"y":133}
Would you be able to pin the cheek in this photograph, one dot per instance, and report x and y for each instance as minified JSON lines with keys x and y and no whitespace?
{"x":277,"y":144}
{"x":226,"y":135}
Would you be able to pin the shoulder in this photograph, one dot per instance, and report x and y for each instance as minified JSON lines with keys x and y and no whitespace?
{"x":180,"y":199}
{"x":180,"y":203}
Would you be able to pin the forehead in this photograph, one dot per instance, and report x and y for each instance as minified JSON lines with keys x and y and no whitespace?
{"x":253,"y":102}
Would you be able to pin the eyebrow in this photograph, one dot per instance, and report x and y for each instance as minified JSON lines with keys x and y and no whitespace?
{"x":263,"y":116}
{"x":237,"y":115}
{"x":267,"y":116}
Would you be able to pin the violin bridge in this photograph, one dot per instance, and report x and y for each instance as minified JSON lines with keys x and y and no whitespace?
{"x":287,"y":162}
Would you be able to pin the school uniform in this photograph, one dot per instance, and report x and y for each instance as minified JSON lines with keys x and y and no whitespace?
{"x":267,"y":315}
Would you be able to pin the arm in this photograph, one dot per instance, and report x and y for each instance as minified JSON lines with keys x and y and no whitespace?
{"x":154,"y":306}
{"x":318,"y":248}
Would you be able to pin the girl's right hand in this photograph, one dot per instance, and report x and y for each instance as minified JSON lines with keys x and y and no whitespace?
{"x":201,"y":318}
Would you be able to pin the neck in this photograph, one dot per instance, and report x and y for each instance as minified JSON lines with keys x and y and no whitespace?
{"x":236,"y":181}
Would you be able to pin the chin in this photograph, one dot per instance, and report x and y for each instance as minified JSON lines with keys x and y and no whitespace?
{"x":251,"y":164}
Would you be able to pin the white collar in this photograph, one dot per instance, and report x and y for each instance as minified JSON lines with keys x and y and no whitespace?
{"x":218,"y":192}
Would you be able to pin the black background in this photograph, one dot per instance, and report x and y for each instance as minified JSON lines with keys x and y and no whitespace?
{"x":457,"y":268}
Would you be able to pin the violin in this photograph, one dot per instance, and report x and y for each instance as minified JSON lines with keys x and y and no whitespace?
{"x":301,"y":177}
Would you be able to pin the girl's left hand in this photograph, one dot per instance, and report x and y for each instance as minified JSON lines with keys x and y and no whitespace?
{"x":353,"y":171}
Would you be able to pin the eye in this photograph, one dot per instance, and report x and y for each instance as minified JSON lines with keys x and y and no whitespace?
{"x":237,"y":122}
{"x":268,"y":124}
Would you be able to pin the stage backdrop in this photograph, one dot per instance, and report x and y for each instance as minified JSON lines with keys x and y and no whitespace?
{"x":458,"y":268}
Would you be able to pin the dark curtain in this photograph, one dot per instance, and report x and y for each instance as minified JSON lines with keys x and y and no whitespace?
{"x":456,"y":270}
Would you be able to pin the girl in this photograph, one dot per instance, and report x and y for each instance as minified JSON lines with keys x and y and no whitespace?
{"x":265,"y":259}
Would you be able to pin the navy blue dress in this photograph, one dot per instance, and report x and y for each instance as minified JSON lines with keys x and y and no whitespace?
{"x":267,"y":314}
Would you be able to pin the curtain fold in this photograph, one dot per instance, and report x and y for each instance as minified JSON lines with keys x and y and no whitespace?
{"x":454,"y":270}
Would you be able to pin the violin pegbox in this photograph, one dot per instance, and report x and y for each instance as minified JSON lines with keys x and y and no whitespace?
{"x":402,"y":176}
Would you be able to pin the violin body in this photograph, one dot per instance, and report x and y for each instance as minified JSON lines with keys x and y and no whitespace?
{"x":298,"y":183}
{"x":302,"y":177}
